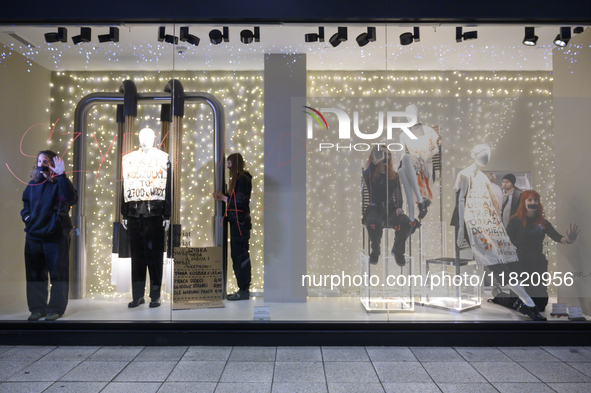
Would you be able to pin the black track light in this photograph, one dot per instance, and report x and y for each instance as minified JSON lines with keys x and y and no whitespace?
{"x":408,"y":38}
{"x":578,"y":30}
{"x":216,"y":37}
{"x":163,"y":37}
{"x":338,"y":37}
{"x":186,"y":37}
{"x":161,"y":33}
{"x":84,"y":36}
{"x":365,"y":38}
{"x":469,"y":35}
{"x":61,"y":35}
{"x":530,"y":38}
{"x":563,"y":37}
{"x":313,"y":37}
{"x":247,"y":36}
{"x":113,"y":35}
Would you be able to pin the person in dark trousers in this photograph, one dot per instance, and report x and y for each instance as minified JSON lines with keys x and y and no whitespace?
{"x":527,"y":230}
{"x":46,"y":204}
{"x":238,"y":215}
{"x":385,"y":208}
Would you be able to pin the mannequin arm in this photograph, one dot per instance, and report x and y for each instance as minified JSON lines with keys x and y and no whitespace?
{"x":166,"y":225}
{"x":461,"y":203}
{"x":124,"y":223}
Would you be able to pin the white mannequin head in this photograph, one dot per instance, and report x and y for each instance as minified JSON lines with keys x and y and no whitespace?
{"x":412,"y":109}
{"x":147,"y":137}
{"x":481,"y":154}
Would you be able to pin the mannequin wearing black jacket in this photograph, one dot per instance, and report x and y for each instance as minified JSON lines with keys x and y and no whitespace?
{"x":46,"y":204}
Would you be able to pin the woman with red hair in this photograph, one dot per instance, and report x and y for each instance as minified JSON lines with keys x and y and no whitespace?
{"x":527,"y":229}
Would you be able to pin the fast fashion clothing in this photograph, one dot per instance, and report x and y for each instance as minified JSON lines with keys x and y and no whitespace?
{"x":529,"y":240}
{"x":421,"y":152}
{"x":46,"y":205}
{"x":146,"y":187}
{"x":147,"y":252}
{"x":489,"y":240}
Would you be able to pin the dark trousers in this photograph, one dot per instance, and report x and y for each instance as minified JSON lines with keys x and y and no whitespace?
{"x":240,"y":256}
{"x":539,"y":294}
{"x":146,"y":243}
{"x":45,"y":258}
{"x":401,"y":225}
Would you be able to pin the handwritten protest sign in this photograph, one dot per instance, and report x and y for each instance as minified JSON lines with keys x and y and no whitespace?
{"x":197,"y":278}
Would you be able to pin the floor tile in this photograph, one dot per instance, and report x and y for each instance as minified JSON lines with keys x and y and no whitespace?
{"x":570,"y":354}
{"x":76,"y":387}
{"x":571,"y":387}
{"x":371,"y":387}
{"x":46,"y":371}
{"x":522,"y":387}
{"x":467,"y":388}
{"x":207,"y":353}
{"x":452,"y":372}
{"x":251,"y":387}
{"x":430,"y":354}
{"x":350,"y":372}
{"x":121,"y":354}
{"x":131,"y":387}
{"x":187,"y":387}
{"x":299,"y":387}
{"x":95,"y":371}
{"x":503,"y":372}
{"x":482,"y":354}
{"x":585,"y":368}
{"x":160,"y":354}
{"x":23,"y":387}
{"x":299,"y":354}
{"x":555,"y":372}
{"x":248,"y":372}
{"x":411,"y":387}
{"x":299,"y":372}
{"x":9,"y":368}
{"x":528,"y":354}
{"x":197,"y":371}
{"x":70,"y":354}
{"x":390,"y":354}
{"x":25,"y":353}
{"x":4,"y":348}
{"x":146,"y":372}
{"x":344,"y":354}
{"x":253,"y":354}
{"x":401,"y":372}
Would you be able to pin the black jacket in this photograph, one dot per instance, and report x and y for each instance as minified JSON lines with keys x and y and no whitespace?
{"x":238,"y":207}
{"x":382,"y":191}
{"x":529,"y":239}
{"x":46,"y":206}
{"x":514,"y":201}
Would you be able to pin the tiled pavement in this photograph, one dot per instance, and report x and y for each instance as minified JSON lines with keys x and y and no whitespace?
{"x":294,"y":369}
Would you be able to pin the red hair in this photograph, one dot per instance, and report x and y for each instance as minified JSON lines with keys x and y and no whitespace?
{"x":522,"y":210}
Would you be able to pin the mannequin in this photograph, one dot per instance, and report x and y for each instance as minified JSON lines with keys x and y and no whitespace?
{"x":414,"y":169}
{"x":479,"y":222}
{"x":146,"y":214}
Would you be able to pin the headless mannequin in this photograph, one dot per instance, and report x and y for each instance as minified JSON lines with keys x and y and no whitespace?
{"x":407,"y":172}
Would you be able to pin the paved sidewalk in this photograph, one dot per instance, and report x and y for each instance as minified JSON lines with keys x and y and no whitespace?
{"x":294,"y":369}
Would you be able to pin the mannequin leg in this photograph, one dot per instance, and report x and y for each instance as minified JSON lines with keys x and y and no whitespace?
{"x":409,"y":170}
{"x":408,"y":193}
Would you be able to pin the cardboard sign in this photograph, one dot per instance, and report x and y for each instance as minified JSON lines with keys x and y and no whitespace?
{"x":559,"y":310}
{"x":262,"y":313}
{"x":144,"y":176}
{"x":576,"y":314}
{"x":198,"y":281}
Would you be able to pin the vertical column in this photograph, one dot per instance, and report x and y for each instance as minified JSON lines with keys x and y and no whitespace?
{"x":285,"y":178}
{"x":572,"y":141}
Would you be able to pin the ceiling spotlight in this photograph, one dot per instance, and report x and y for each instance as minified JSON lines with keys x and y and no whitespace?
{"x":186,"y":37}
{"x":61,"y":35}
{"x":84,"y":36}
{"x":216,"y":37}
{"x":247,"y":36}
{"x":578,"y":30}
{"x":563,"y":38}
{"x":469,"y":35}
{"x":408,"y":38}
{"x":530,"y":38}
{"x":113,"y":35}
{"x":161,"y":33}
{"x":340,"y":36}
{"x":171,"y":39}
{"x":365,"y":38}
{"x":313,"y":37}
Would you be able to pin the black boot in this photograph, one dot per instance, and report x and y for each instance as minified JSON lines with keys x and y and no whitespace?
{"x":423,"y":208}
{"x":531,"y":312}
{"x":399,"y":258}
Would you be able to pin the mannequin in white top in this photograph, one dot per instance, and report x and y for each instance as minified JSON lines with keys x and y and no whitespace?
{"x":414,"y":164}
{"x":147,"y":138}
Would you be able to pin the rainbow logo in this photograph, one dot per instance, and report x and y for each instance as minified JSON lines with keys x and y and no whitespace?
{"x":316,"y":117}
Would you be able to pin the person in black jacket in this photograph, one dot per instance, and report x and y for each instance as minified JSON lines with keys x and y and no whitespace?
{"x":527,"y":230}
{"x":46,"y":204}
{"x":385,"y":208}
{"x":238,"y":214}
